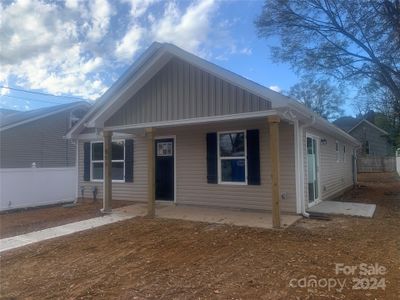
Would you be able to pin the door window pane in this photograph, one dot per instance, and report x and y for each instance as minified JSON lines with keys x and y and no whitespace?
{"x":97,"y":171}
{"x":231,"y":144}
{"x":233,"y":170}
{"x":97,"y":151}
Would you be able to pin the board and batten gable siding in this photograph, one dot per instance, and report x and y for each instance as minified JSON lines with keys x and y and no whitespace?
{"x":191,"y":170}
{"x":39,"y":141}
{"x":181,"y":91}
{"x":335,"y":176}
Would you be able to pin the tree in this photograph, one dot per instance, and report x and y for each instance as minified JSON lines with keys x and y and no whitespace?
{"x":354,"y":41}
{"x":320,"y":96}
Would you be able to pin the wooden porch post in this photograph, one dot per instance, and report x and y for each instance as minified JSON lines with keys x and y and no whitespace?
{"x":107,"y":175}
{"x":274,"y":153}
{"x":151,"y":206}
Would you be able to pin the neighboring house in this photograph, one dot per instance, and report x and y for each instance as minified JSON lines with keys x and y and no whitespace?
{"x":188,"y":131}
{"x":37,"y":164}
{"x":374,"y":140}
{"x":37,"y":136}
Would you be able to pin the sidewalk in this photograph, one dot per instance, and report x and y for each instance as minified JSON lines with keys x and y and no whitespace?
{"x":49,"y":233}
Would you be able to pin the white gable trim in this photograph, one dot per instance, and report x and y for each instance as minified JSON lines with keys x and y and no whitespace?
{"x":369,"y":123}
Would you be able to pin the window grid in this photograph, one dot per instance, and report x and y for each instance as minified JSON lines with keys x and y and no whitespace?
{"x":92,"y":162}
{"x":221,"y":158}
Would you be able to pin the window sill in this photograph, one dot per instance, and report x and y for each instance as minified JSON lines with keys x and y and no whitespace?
{"x":101,"y":181}
{"x":232,"y":183}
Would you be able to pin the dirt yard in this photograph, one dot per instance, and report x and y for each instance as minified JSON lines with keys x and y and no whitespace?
{"x":24,"y":221}
{"x":167,"y":259}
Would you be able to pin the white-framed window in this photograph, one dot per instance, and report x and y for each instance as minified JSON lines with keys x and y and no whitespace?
{"x":232,"y":157}
{"x":117,"y":161}
{"x":337,"y":151}
{"x":344,"y":153}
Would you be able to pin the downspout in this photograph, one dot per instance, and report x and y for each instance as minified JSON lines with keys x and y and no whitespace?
{"x":77,"y":170}
{"x":300,"y":168}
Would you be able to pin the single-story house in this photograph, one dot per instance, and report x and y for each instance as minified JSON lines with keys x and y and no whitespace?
{"x":178,"y":128}
{"x":374,"y":140}
{"x":36,"y":137}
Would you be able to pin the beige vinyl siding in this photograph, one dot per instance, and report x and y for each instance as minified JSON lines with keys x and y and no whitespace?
{"x":182,"y":91}
{"x":191,"y":170}
{"x":134,"y":191}
{"x":39,"y":141}
{"x":335,"y":176}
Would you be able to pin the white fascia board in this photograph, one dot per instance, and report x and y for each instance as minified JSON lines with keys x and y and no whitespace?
{"x":43,"y":116}
{"x":321,"y":123}
{"x":194,"y":121}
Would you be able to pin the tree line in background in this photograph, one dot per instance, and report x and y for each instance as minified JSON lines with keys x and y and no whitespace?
{"x":338,"y":45}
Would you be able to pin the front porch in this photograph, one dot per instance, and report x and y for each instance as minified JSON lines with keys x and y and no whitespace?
{"x":197,"y":178}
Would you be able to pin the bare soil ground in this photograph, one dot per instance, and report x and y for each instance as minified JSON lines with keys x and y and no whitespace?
{"x":169,"y":259}
{"x":28,"y":220}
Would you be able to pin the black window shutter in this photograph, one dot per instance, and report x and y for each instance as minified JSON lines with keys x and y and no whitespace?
{"x":129,"y":160}
{"x":253,"y":157}
{"x":212,"y":158}
{"x":86,"y":161}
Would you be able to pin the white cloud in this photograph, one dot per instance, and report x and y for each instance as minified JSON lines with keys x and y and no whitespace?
{"x":46,"y":51}
{"x":275,"y":88}
{"x":188,"y":29}
{"x":100,"y":19}
{"x":139,"y":7}
{"x":71,"y":47}
{"x":130,"y":43}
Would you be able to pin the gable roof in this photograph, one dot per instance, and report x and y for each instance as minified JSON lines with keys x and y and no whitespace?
{"x":346,"y":123}
{"x":22,"y":117}
{"x":370,"y":124}
{"x":154,"y":58}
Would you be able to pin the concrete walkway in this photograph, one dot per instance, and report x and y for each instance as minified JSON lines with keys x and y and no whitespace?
{"x":344,"y":208}
{"x":53,"y":232}
{"x":163,"y":210}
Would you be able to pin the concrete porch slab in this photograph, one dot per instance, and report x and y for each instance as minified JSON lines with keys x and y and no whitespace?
{"x":211,"y":215}
{"x":344,"y":208}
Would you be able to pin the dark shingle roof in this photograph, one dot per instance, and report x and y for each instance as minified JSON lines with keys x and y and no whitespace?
{"x":346,"y":123}
{"x":23,"y":116}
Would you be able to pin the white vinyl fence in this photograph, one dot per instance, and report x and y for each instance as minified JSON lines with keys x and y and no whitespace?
{"x":28,"y":187}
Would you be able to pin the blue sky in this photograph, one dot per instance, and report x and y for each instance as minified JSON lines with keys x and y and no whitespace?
{"x":79,"y":48}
